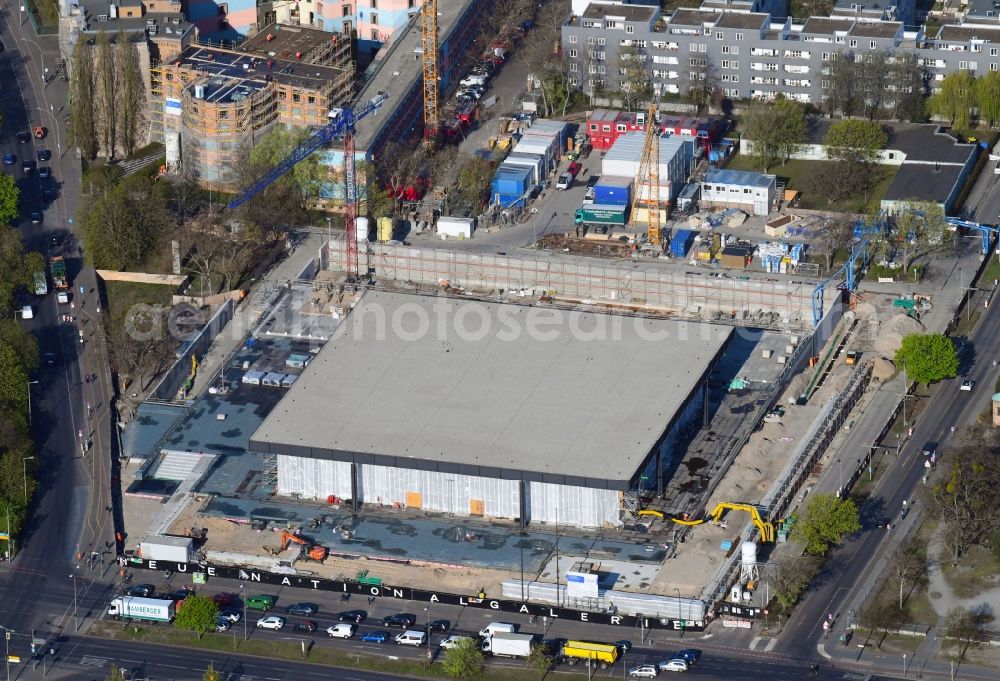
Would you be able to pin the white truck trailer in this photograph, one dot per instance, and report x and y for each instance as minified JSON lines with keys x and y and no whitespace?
{"x":145,"y":609}
{"x":503,"y":644}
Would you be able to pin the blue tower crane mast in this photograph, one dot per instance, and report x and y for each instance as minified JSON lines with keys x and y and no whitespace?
{"x":341,"y":124}
{"x":850,"y":273}
{"x":986,"y":231}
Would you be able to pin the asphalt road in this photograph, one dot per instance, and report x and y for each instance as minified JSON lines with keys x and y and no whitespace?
{"x":87,"y":658}
{"x":851,"y":563}
{"x":68,"y":510}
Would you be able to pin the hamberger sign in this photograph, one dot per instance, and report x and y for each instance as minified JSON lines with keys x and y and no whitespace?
{"x":406,"y":594}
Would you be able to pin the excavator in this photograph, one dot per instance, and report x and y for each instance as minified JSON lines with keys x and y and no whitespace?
{"x":313,"y":552}
{"x":767,"y":532}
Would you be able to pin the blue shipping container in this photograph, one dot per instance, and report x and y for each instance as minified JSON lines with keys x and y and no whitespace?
{"x":512,"y":183}
{"x":681,"y":242}
{"x":611,"y":194}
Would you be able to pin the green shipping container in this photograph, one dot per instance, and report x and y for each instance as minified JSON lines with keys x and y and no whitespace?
{"x":601,"y":215}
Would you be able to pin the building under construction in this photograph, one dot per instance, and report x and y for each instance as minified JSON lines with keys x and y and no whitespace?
{"x":210,"y":101}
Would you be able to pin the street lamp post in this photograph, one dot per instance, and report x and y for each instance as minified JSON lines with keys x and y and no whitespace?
{"x":904,"y":664}
{"x":243,"y":598}
{"x":24,"y":467}
{"x":40,"y":54}
{"x":6,"y":645}
{"x":430,"y":655}
{"x":30,"y":383}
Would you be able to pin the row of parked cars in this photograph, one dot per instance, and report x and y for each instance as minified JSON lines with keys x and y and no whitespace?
{"x":679,"y":662}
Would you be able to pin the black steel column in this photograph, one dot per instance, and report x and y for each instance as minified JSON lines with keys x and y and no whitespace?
{"x":522,"y":490}
{"x":355,"y":502}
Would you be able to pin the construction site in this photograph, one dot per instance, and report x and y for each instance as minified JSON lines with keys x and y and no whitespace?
{"x":211,"y":100}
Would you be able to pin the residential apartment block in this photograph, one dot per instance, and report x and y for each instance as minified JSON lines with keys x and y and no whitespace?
{"x":376,"y":21}
{"x":752,"y":55}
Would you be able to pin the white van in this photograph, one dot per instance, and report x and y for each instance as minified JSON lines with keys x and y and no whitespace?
{"x":496,"y":627}
{"x":342,"y":630}
{"x":411,"y":637}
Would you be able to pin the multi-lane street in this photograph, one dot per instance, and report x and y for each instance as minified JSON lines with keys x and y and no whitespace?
{"x":69,"y":515}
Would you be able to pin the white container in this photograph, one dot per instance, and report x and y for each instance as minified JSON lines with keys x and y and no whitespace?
{"x":456,"y":227}
{"x":174,"y":549}
{"x":361,"y":226}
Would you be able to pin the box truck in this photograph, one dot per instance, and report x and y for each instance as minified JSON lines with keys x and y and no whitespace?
{"x":603,"y":654}
{"x":504,"y":644}
{"x":145,"y":609}
{"x":162,"y":547}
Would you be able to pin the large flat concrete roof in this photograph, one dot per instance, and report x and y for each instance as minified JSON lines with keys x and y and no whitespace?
{"x":530,"y":393}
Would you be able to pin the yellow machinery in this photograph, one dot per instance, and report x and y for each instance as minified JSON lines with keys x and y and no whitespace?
{"x":767,"y":533}
{"x":647,"y":182}
{"x":604,"y":654}
{"x":429,"y":60}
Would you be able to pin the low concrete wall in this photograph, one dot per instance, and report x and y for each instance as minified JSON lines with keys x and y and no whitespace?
{"x":142,"y":277}
{"x":217,"y":299}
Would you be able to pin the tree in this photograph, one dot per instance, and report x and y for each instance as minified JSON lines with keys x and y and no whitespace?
{"x":703,"y":81}
{"x":873,"y":79}
{"x":16,"y":266}
{"x":474,"y":182}
{"x":13,"y":381}
{"x":856,"y":144}
{"x":125,"y":222}
{"x":197,"y":614}
{"x":21,"y":341}
{"x":928,"y":357}
{"x":965,"y":627}
{"x":908,"y":82}
{"x":791,"y":579}
{"x":540,"y":660}
{"x":956,"y":98}
{"x":920,"y":226}
{"x":988,"y":98}
{"x":881,"y":616}
{"x":836,"y":232}
{"x":824,"y":522}
{"x":82,"y":122}
{"x":210,"y":673}
{"x":909,"y":565}
{"x":307,"y":176}
{"x":10,"y":196}
{"x":776,"y":130}
{"x":131,"y":93}
{"x":463,"y":660}
{"x":107,"y":94}
{"x":636,"y":77}
{"x":841,"y":91}
{"x":965,"y":498}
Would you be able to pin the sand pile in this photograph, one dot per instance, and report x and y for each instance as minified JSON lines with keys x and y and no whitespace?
{"x":891,"y":334}
{"x":883,"y":369}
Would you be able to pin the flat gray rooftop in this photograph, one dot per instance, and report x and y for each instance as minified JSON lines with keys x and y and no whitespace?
{"x":493,"y":389}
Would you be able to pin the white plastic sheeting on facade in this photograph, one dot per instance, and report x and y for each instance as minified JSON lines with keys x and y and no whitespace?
{"x":566,"y":505}
{"x":624,"y":602}
{"x":446,"y":492}
{"x":313,"y":478}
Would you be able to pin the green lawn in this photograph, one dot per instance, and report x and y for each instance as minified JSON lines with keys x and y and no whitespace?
{"x":795,"y":169}
{"x":123,"y":295}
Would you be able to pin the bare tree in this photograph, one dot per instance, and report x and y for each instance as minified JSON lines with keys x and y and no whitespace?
{"x":965,"y":626}
{"x":636,"y":76}
{"x":909,"y":563}
{"x":836,"y":233}
{"x":881,"y":616}
{"x":703,"y":81}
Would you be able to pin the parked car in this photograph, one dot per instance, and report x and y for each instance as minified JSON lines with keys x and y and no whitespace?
{"x":356,"y":616}
{"x":23,"y":138}
{"x":564,"y":181}
{"x":376,"y":637}
{"x":967,"y":386}
{"x":306,"y":626}
{"x":673,"y":665}
{"x":574,"y":169}
{"x":644,"y":671}
{"x":36,"y":218}
{"x":9,"y":159}
{"x":273,"y":622}
{"x":404,"y":620}
{"x":473,"y":79}
{"x":44,"y":172}
{"x":588,"y":196}
{"x":179,"y":594}
{"x":592,"y":181}
{"x":44,"y":154}
{"x":303,"y":609}
{"x":141,"y":591}
{"x":222,"y":624}
{"x":28,"y":167}
{"x":623,"y":645}
{"x":453,"y":641}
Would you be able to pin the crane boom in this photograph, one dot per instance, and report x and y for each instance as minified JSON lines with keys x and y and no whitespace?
{"x":987,"y":231}
{"x":342,"y":122}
